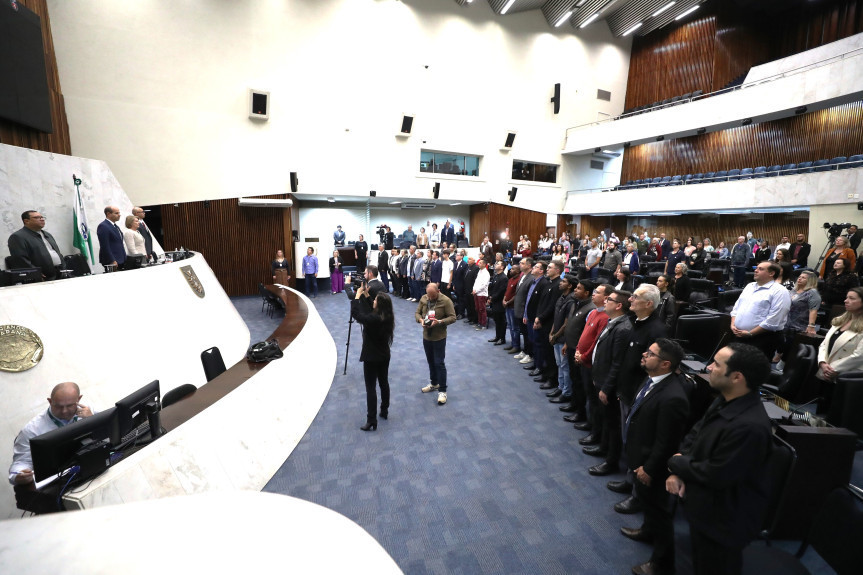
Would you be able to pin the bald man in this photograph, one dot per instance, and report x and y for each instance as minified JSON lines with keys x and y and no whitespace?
{"x":111,"y":248}
{"x":64,"y":407}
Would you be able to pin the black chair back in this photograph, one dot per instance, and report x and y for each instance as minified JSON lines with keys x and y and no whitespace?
{"x":177,"y":394}
{"x":780,"y":468}
{"x":77,"y":264}
{"x":699,"y":333}
{"x":654,"y":269}
{"x":799,"y":370}
{"x":846,"y":406}
{"x":703,"y":291}
{"x":605,"y":274}
{"x":213,"y":364}
{"x":727,"y":299}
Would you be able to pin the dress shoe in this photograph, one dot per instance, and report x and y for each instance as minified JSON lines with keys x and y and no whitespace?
{"x":557,"y":392}
{"x":569,"y":418}
{"x":594,"y":450}
{"x":534,"y":372}
{"x":651,"y":568}
{"x":560,"y":399}
{"x":493,"y":340}
{"x":501,"y":342}
{"x":529,"y":366}
{"x":384,"y":414}
{"x":624,"y":486}
{"x":509,"y":347}
{"x":583,"y":426}
{"x":370,"y":426}
{"x":589,"y":440}
{"x":629,"y":506}
{"x":639,"y":534}
{"x":568,"y":407}
{"x":604,"y":468}
{"x":545,"y":383}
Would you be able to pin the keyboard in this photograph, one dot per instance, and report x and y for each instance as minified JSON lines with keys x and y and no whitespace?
{"x":141,"y":431}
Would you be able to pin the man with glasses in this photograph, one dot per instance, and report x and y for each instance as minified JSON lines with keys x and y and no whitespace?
{"x":652,"y":433}
{"x":607,"y":361}
{"x":111,"y":248}
{"x":760,"y":313}
{"x":594,"y":325}
{"x":36,"y":247}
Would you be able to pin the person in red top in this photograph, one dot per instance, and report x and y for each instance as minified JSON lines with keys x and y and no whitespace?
{"x":594,"y":324}
{"x":509,"y":308}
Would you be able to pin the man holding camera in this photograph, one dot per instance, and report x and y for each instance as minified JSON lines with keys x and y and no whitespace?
{"x":435,"y":312}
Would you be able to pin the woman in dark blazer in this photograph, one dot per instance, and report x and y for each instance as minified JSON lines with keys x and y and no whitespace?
{"x":624,"y":280}
{"x":682,"y":287}
{"x":378,"y":323}
{"x":337,"y":277}
{"x":280,"y":263}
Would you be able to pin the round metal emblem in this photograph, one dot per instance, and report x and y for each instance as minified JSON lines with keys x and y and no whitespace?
{"x":20,"y":348}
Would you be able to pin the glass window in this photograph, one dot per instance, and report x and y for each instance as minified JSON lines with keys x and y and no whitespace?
{"x":449,"y":163}
{"x":534,"y":172}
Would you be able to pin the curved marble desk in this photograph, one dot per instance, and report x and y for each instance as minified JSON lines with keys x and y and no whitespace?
{"x":236,"y":532}
{"x":235,"y":431}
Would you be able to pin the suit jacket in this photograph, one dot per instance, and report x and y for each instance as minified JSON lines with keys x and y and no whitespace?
{"x":609,"y":355}
{"x":802,"y":255}
{"x":110,"y":243}
{"x":656,"y":427}
{"x":847,"y":353}
{"x":496,"y":291}
{"x":436,"y":271}
{"x":470,"y":279}
{"x":383,"y":261}
{"x":723,"y":463}
{"x":28,"y":245}
{"x":375,"y":287}
{"x":148,"y":237}
{"x":576,"y":321}
{"x":521,"y":295}
{"x":458,"y":274}
{"x":550,"y":294}
{"x":376,"y":343}
{"x":447,"y":235}
{"x":667,"y":310}
{"x":665,"y":246}
{"x":531,"y":306}
{"x":643,"y":334}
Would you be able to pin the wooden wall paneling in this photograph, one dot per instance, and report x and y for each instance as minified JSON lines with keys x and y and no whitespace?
{"x":813,"y":136}
{"x":17,"y":135}
{"x":238,"y":242}
{"x":518,"y":220}
{"x":479,"y":223}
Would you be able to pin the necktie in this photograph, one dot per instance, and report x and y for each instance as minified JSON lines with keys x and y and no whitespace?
{"x":116,"y":227}
{"x":635,"y":405}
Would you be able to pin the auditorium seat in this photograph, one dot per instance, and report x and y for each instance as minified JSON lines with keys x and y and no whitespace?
{"x":854,"y":161}
{"x":655,"y":181}
{"x":759,"y":172}
{"x":699,"y":333}
{"x":675,"y":181}
{"x":665,"y":181}
{"x":734,"y":174}
{"x":675,"y":101}
{"x":687,"y":179}
{"x":654,"y":269}
{"x":774,"y":170}
{"x":721,"y":176}
{"x":726,"y":300}
{"x":703,"y":292}
{"x":846,"y":405}
{"x":178,"y":393}
{"x":745,"y":174}
{"x":708,"y":177}
{"x":697,"y":178}
{"x":15,"y":263}
{"x":836,"y":161}
{"x":697,"y":93}
{"x":788,"y":170}
{"x":821,"y":166}
{"x":804,"y":167}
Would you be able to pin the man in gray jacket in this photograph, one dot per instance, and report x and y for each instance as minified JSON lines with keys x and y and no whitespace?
{"x":36,"y":247}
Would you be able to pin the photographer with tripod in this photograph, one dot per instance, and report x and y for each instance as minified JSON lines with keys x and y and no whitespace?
{"x":376,"y":317}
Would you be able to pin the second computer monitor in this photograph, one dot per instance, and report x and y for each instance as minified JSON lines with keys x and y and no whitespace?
{"x":132,"y":410}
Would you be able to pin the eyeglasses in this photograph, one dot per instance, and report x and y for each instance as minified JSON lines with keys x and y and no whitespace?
{"x":612,"y":300}
{"x":634,"y":296}
{"x":37,"y":217}
{"x":649,"y":353}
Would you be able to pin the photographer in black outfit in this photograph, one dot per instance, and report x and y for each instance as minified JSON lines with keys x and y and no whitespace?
{"x":376,"y":317}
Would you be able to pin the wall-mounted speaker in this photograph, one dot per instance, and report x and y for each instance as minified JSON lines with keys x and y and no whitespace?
{"x":510,"y":140}
{"x":436,"y":190}
{"x":295,"y":183}
{"x":373,"y":193}
{"x":295,"y":235}
{"x":259,"y":105}
{"x":512,"y":193}
{"x":556,"y":98}
{"x":407,"y":126}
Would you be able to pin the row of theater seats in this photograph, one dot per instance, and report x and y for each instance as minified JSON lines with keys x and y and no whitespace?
{"x":823,"y":165}
{"x":666,"y":103}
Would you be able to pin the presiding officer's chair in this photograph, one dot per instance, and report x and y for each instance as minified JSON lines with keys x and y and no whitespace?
{"x":213,"y":364}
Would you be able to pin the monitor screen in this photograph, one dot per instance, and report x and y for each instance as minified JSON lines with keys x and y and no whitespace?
{"x":58,"y":450}
{"x":132,"y":412}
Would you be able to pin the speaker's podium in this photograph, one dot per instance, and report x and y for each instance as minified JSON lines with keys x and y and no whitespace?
{"x":282,"y":277}
{"x":825,"y":456}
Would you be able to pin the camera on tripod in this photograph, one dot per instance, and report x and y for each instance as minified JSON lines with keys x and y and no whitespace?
{"x":356,"y":281}
{"x":382,"y":232}
{"x":835,"y":230}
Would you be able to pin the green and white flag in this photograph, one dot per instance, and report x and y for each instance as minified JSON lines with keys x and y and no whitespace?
{"x":81,"y":235}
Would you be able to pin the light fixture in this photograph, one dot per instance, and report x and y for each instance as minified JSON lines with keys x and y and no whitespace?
{"x":633,"y":29}
{"x":746,"y":122}
{"x":660,"y":138}
{"x":563,"y":19}
{"x":801,"y":110}
{"x":331,"y":199}
{"x":700,"y":131}
{"x":507,"y":7}
{"x":455,"y":204}
{"x":589,"y":20}
{"x":688,"y":12}
{"x":663,"y":9}
{"x":608,"y":151}
{"x":395,"y":202}
{"x":580,"y":3}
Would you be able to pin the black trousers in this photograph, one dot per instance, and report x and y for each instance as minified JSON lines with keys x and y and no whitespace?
{"x":612,"y":442}
{"x":376,"y":372}
{"x":593,"y":404}
{"x":499,"y":318}
{"x":471,"y":306}
{"x":712,"y":558}
{"x":658,"y":521}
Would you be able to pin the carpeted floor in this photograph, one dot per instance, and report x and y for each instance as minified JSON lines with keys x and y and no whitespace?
{"x":492,"y":482}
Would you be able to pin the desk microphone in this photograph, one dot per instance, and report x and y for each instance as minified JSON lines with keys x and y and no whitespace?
{"x":802,"y":415}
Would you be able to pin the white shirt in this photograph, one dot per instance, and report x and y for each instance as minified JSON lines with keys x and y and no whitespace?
{"x":446,"y":271}
{"x":766,"y":306}
{"x":21,"y":457}
{"x":134,"y":241}
{"x":480,"y":286}
{"x":593,"y":256}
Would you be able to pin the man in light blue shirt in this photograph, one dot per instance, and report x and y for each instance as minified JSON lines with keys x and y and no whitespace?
{"x":310,"y":271}
{"x":760,"y":313}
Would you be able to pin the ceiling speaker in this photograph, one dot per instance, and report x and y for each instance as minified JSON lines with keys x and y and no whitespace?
{"x":436,"y":190}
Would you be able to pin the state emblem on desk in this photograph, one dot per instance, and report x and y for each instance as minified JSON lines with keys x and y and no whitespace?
{"x":193,"y":281}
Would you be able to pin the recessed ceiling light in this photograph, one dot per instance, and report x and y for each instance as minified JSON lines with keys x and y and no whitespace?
{"x":395,"y":202}
{"x":589,"y":20}
{"x":331,"y":199}
{"x":456,"y":204}
{"x":563,"y":19}
{"x":508,"y":6}
{"x":687,"y":13}
{"x":633,"y":29}
{"x":608,"y":151}
{"x":663,"y":9}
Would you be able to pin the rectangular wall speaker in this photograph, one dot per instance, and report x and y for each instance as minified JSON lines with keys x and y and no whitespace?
{"x":259,"y":105}
{"x":295,"y":183}
{"x":512,"y":193}
{"x":373,"y":193}
{"x":436,"y":190}
{"x":510,"y":140}
{"x":556,"y":98}
{"x":407,"y":124}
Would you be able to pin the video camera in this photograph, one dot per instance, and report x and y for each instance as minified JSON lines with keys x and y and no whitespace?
{"x":835,"y":230}
{"x":356,"y":281}
{"x":382,"y":232}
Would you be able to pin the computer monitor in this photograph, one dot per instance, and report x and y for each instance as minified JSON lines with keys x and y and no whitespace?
{"x":133,"y":409}
{"x":84,"y":443}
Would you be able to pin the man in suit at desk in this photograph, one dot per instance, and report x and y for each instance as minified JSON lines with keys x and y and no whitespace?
{"x":652,"y":433}
{"x":111,"y":250}
{"x":36,"y":247}
{"x":720,"y":473}
{"x":64,"y":407}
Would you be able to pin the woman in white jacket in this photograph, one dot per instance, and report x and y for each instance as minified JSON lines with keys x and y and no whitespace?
{"x":842,"y":348}
{"x":133,"y":239}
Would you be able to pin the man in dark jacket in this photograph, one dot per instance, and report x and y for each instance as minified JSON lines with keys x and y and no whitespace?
{"x":524,"y":281}
{"x":538,"y":285}
{"x":652,"y":433}
{"x":467,"y":292}
{"x":573,"y":330}
{"x":459,"y":271}
{"x":496,"y":291}
{"x":542,"y":324}
{"x":720,"y":473}
{"x":36,"y":247}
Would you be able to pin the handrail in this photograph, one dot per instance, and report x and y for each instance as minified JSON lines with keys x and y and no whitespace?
{"x":744,"y":85}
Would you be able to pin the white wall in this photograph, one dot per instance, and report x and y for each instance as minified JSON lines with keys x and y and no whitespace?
{"x":160,"y":93}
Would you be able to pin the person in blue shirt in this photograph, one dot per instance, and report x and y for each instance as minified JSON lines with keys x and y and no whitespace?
{"x":310,"y":271}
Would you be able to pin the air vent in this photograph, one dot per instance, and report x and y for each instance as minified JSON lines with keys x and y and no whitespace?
{"x":417,"y":206}
{"x":603,"y":95}
{"x":596,"y":165}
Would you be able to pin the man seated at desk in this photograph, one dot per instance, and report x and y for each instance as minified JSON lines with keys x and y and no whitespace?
{"x":64,"y":407}
{"x":36,"y":247}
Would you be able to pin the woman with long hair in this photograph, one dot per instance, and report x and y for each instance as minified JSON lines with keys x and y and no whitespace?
{"x":840,"y":279}
{"x":805,"y":301}
{"x":378,"y":323}
{"x":842,"y":348}
{"x":841,"y":249}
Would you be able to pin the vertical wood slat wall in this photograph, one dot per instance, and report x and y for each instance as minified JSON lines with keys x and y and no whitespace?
{"x":495,"y":218}
{"x":717,"y":227}
{"x":17,"y":135}
{"x":809,"y":137}
{"x":238,"y":242}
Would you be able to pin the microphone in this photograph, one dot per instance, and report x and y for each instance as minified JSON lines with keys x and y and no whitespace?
{"x":800,"y":415}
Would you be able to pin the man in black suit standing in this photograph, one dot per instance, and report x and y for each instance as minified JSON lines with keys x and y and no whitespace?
{"x":800,"y":252}
{"x":544,"y":353}
{"x":665,"y":247}
{"x":538,"y":284}
{"x":144,"y":231}
{"x":458,"y":273}
{"x":36,"y":247}
{"x":383,"y":266}
{"x":652,"y":434}
{"x":111,"y":250}
{"x":447,"y":234}
{"x":607,"y":360}
{"x":720,"y":473}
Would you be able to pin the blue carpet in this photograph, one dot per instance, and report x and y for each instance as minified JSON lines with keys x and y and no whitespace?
{"x":492,"y":482}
